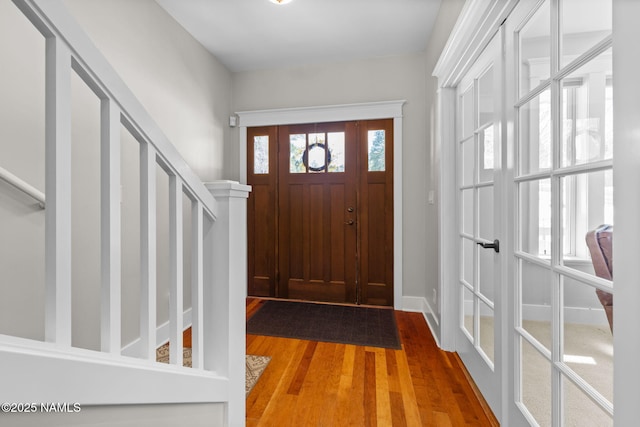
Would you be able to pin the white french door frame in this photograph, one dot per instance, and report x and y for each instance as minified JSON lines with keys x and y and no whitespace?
{"x":342,"y":113}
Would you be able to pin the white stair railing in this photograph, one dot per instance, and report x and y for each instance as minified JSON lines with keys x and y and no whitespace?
{"x":53,"y":370}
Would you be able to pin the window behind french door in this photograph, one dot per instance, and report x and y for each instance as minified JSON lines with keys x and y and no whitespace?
{"x":563,"y":113}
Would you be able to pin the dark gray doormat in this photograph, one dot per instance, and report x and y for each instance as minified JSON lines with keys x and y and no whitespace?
{"x":372,"y":327}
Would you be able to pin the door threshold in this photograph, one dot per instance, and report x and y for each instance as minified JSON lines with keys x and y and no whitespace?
{"x":321,"y":302}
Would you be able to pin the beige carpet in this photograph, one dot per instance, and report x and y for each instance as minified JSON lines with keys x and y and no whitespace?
{"x":255,"y":364}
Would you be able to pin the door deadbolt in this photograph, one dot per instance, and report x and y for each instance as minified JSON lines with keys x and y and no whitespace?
{"x":349,"y":209}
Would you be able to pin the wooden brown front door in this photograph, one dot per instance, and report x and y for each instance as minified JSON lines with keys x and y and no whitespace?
{"x":321,"y":212}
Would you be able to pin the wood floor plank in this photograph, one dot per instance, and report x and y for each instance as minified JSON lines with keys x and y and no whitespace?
{"x":327,"y":384}
{"x":369,"y":398}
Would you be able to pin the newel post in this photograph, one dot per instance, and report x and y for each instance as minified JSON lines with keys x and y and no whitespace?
{"x":229,"y":275}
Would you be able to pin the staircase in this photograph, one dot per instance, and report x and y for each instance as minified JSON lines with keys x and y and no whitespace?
{"x":53,"y":369}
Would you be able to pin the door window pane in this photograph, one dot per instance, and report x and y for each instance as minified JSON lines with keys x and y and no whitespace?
{"x":536,"y":383}
{"x":487,"y":331}
{"x":467,"y":261}
{"x":584,"y":24}
{"x":468,"y":166}
{"x":534,"y":148}
{"x":485,"y":213}
{"x":487,"y":154}
{"x":536,"y":301}
{"x":297,"y":148}
{"x":535,"y":49}
{"x":261,"y":154}
{"x":587,"y":114}
{"x":587,"y":200}
{"x":468,"y":120}
{"x":376,"y":150}
{"x":467,"y":310}
{"x":336,"y":151}
{"x":485,"y":97}
{"x":467,"y":213}
{"x":580,"y":410}
{"x":315,"y":158}
{"x":588,"y":341}
{"x":486,"y":277}
{"x":535,"y":217}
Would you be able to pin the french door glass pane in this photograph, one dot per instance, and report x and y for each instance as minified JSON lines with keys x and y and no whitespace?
{"x":485,"y":213}
{"x":486,"y":154}
{"x":468,"y":119}
{"x":588,"y":341}
{"x":584,"y":24}
{"x":536,"y":301}
{"x":536,"y":383}
{"x":535,"y":217}
{"x":587,"y":200}
{"x":485,"y":97}
{"x":587,"y":114}
{"x":467,"y":310}
{"x":535,"y":49}
{"x":486,"y":278}
{"x":580,"y":410}
{"x":467,"y":213}
{"x":487,"y":330}
{"x":468,"y":248}
{"x":534,"y":148}
{"x":468,"y":162}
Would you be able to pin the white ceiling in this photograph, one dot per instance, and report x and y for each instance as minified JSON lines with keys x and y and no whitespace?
{"x":257,"y":34}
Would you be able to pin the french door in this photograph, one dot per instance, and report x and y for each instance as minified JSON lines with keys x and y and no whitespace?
{"x":321,"y":212}
{"x":478,"y":340}
{"x":561,"y":103}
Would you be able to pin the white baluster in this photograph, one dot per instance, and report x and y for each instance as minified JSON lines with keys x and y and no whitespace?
{"x":175,"y":270}
{"x":197,"y":319}
{"x":58,"y":191}
{"x":148,"y":250}
{"x":110,"y":299}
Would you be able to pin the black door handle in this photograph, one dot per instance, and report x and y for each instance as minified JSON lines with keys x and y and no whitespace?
{"x":495,"y":245}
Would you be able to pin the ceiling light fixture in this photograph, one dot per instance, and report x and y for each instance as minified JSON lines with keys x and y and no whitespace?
{"x":280,"y":1}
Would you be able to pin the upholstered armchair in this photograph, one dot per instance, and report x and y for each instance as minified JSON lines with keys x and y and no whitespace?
{"x":600,"y":246}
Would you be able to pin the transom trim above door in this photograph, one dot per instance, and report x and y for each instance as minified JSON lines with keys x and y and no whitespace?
{"x":344,"y":112}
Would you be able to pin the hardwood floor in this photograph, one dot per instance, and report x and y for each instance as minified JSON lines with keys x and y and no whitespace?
{"x":312,"y":383}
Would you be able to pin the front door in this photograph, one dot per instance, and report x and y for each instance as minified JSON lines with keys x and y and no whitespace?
{"x":321,"y":212}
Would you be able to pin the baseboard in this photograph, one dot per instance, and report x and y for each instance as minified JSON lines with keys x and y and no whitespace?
{"x":580,"y":315}
{"x":162,"y":336}
{"x":421,"y":305}
{"x":542,"y":313}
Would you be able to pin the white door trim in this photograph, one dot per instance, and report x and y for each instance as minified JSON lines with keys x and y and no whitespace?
{"x":342,"y":113}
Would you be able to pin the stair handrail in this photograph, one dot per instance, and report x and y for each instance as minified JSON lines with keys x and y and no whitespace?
{"x":23,"y":186}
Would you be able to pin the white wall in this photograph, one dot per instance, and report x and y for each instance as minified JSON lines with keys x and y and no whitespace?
{"x":185,"y":89}
{"x":382,"y":79}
